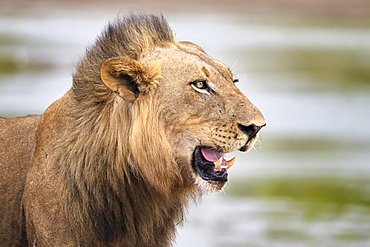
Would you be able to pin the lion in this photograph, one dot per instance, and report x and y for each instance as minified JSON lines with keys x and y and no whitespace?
{"x":144,"y":129}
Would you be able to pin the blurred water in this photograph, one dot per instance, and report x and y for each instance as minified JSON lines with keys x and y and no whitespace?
{"x":317,"y":127}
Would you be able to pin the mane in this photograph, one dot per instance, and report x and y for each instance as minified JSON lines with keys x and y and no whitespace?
{"x":119,"y":175}
{"x":128,"y":36}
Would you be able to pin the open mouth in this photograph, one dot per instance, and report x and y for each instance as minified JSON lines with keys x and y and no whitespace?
{"x":211,"y":164}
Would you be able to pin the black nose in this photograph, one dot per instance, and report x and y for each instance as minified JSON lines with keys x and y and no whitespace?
{"x":250,"y":130}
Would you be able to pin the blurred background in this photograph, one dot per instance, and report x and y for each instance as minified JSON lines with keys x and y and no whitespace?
{"x":305,"y":64}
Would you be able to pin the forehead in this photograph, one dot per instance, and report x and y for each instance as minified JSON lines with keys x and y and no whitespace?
{"x":190,"y":61}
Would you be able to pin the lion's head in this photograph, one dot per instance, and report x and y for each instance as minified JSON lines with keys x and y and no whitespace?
{"x":204,"y":114}
{"x":175,"y":111}
{"x":146,"y":124}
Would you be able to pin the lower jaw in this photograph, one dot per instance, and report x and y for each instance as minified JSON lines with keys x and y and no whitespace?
{"x":209,"y":186}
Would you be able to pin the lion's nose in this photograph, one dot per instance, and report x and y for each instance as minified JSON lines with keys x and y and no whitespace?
{"x":250,"y":130}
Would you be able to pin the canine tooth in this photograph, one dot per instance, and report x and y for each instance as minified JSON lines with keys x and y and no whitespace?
{"x":223,"y":167}
{"x":218,"y":163}
{"x":231,"y":162}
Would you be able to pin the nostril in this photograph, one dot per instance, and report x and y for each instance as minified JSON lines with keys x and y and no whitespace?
{"x":250,"y":130}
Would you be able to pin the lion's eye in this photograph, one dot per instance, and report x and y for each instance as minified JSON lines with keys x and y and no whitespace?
{"x":200,"y":84}
{"x":201,"y":87}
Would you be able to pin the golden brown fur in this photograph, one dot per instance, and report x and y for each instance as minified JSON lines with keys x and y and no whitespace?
{"x":16,"y":148}
{"x":112,"y":158}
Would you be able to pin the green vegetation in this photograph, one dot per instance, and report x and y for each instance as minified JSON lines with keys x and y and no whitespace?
{"x":6,"y":40}
{"x":331,"y":68}
{"x":287,"y":235}
{"x":311,"y":144}
{"x":352,"y":236}
{"x":9,"y":65}
{"x":316,"y":195}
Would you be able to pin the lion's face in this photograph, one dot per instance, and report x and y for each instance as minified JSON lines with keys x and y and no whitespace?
{"x":204,"y":111}
{"x":204,"y":114}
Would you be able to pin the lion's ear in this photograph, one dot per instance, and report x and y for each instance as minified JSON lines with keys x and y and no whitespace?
{"x":129,"y":78}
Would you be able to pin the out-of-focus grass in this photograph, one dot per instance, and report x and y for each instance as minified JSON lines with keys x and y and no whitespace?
{"x":6,"y":40}
{"x":11,"y":63}
{"x":312,"y":144}
{"x":8,"y":65}
{"x":332,"y":68}
{"x":317,"y":195}
{"x":285,"y":234}
{"x":352,"y":236}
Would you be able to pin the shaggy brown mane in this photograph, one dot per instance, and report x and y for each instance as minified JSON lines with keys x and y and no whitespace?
{"x":113,"y":179}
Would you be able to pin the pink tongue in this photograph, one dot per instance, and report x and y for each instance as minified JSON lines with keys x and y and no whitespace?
{"x":211,"y":155}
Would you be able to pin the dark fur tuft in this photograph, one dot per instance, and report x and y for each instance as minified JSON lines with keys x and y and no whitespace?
{"x":129,"y":36}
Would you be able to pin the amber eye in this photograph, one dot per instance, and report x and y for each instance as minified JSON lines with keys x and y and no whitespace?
{"x":200,"y":84}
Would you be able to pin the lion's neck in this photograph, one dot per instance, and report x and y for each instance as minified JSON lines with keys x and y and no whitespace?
{"x":138,"y":214}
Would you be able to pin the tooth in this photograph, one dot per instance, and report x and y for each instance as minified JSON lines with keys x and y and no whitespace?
{"x":218,"y":163}
{"x":223,"y":167}
{"x":231,"y":162}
